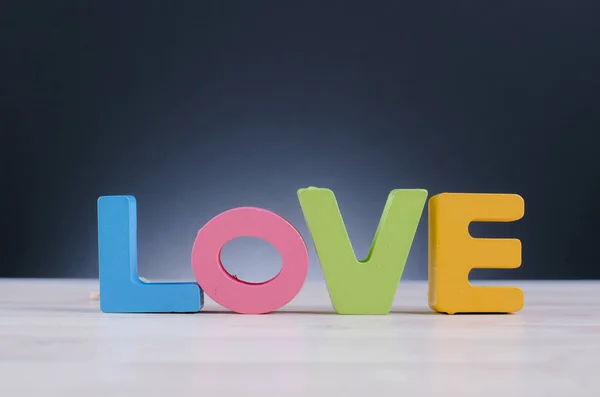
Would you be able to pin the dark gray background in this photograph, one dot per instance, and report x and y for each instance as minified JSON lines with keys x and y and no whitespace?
{"x":196,"y":107}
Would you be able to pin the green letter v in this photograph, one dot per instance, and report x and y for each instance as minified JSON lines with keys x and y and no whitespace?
{"x":369,"y":286}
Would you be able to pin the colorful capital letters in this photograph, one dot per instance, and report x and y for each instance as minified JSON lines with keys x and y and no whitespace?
{"x":355,"y":286}
{"x":368,"y":286}
{"x":121,"y":290}
{"x":453,"y":252}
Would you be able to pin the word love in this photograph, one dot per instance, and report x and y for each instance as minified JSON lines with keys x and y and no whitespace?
{"x":355,"y":287}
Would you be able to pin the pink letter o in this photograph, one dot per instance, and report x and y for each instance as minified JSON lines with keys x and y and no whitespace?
{"x":237,"y":295}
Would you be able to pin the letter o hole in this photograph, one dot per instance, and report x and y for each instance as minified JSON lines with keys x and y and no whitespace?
{"x":241,"y":296}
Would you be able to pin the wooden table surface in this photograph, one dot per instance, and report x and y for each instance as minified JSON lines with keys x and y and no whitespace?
{"x":54,"y":341}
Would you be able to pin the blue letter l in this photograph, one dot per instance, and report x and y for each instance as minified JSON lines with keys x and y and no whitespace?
{"x":121,"y":290}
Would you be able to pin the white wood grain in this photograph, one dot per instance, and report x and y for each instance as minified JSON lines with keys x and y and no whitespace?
{"x":54,"y":341}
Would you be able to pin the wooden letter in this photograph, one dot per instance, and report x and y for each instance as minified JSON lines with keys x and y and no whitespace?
{"x":453,"y":252}
{"x":369,"y":286}
{"x":121,"y":290}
